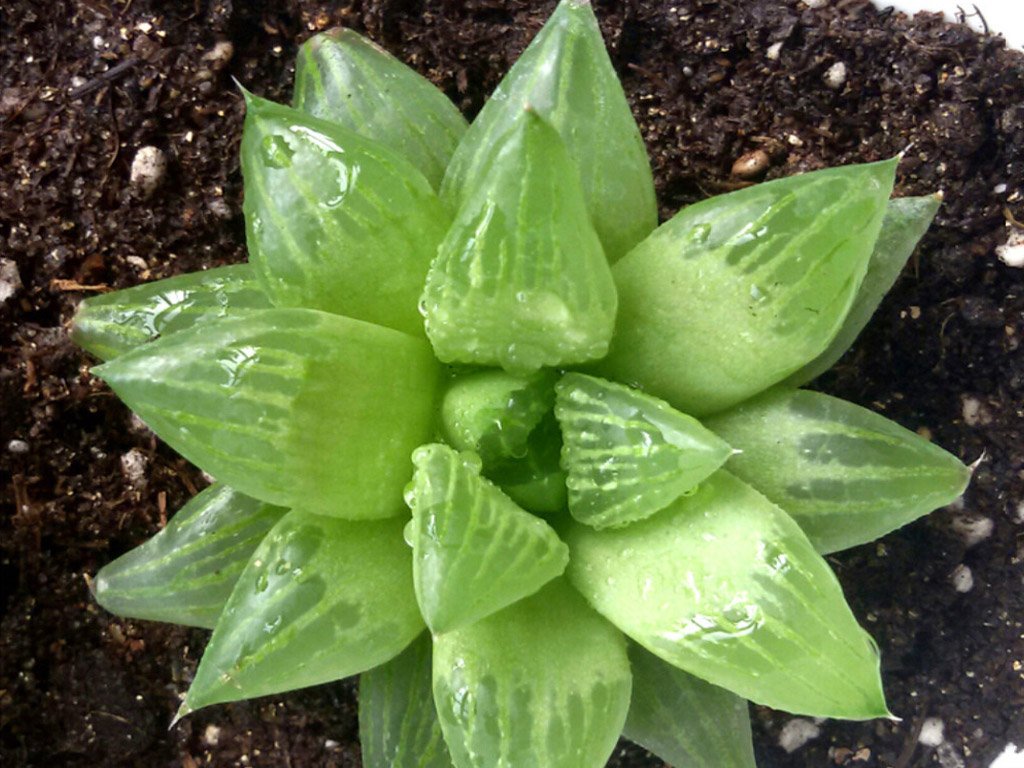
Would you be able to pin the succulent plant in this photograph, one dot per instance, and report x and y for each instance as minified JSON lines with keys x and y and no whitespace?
{"x":595,"y":421}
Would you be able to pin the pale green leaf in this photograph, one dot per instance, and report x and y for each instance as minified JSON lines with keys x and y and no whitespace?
{"x":724,"y":585}
{"x":398,"y":725}
{"x":566,"y":76}
{"x":321,"y":599}
{"x":845,"y":474}
{"x":113,"y":323}
{"x":906,"y":220}
{"x":493,"y":412}
{"x":520,"y":280}
{"x":291,"y":406}
{"x":736,"y":292}
{"x":474,"y":550}
{"x":545,"y":682}
{"x":185,"y":573}
{"x":335,"y":221}
{"x":347,"y":79}
{"x":684,"y":720}
{"x":628,"y":454}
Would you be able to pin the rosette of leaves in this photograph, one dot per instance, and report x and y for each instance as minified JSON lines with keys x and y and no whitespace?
{"x":620,"y":496}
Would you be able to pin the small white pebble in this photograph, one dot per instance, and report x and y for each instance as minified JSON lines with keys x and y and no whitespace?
{"x":962,"y":579}
{"x":835,"y":76}
{"x":974,"y":412}
{"x":144,"y":27}
{"x":932,"y":732}
{"x":1019,"y":514}
{"x":137,"y":261}
{"x":998,"y":189}
{"x":795,"y":140}
{"x":10,"y":280}
{"x":973,"y":530}
{"x":17,"y":446}
{"x":1011,"y":253}
{"x":220,"y":54}
{"x":134,"y":464}
{"x":98,"y":42}
{"x":1011,"y":757}
{"x":331,"y":744}
{"x":774,"y":51}
{"x":796,"y":733}
{"x":211,"y":736}
{"x":815,"y":3}
{"x":148,"y":169}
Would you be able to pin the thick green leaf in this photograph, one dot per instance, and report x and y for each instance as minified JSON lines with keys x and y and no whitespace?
{"x":474,"y":551}
{"x":535,"y":482}
{"x":685,"y":721}
{"x":906,"y":220}
{"x":545,"y":682}
{"x":335,"y":221}
{"x":566,"y":76}
{"x":398,"y":725}
{"x":845,"y":474}
{"x":112,"y":324}
{"x":493,"y":412}
{"x":520,"y":280}
{"x":344,"y":78}
{"x":736,"y":292}
{"x":628,"y":454}
{"x":321,"y":599}
{"x":724,"y":585}
{"x":186,"y":572}
{"x":291,"y":406}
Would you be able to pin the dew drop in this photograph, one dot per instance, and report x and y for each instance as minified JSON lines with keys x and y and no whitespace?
{"x":409,"y":532}
{"x":262,"y":582}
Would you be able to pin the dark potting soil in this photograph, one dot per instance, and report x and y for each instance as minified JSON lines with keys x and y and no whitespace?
{"x":84,"y":85}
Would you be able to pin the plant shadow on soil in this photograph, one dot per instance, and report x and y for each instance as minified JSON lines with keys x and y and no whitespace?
{"x":85,"y":84}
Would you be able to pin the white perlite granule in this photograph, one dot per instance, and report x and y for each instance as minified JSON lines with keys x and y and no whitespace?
{"x":148,"y":169}
{"x":796,"y":733}
{"x":932,"y":732}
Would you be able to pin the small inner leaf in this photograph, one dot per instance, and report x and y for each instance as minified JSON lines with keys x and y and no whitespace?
{"x":724,"y":585}
{"x":185,"y":573}
{"x":544,"y":682}
{"x":520,"y":280}
{"x":117,"y":322}
{"x":342,"y":77}
{"x":398,"y":725}
{"x":320,"y":599}
{"x":628,"y":454}
{"x":475,"y":551}
{"x":845,"y":474}
{"x":535,"y":482}
{"x":735,"y":293}
{"x":335,"y":221}
{"x":684,"y":720}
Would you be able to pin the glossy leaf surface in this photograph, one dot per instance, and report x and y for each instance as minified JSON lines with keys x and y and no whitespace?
{"x":846,"y":475}
{"x":321,"y":599}
{"x":185,"y":573}
{"x":335,"y":221}
{"x":536,"y":482}
{"x":493,"y":412}
{"x":906,"y":220}
{"x":736,"y":292}
{"x":724,"y":585}
{"x":474,"y":550}
{"x":566,"y":76}
{"x":628,"y":454}
{"x":291,"y":406}
{"x":398,"y":725}
{"x":545,"y":682}
{"x":114,"y":323}
{"x":685,"y":721}
{"x":520,"y":280}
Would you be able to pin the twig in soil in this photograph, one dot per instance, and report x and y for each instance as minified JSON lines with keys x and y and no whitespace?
{"x":910,"y":745}
{"x":1013,"y":220}
{"x":103,"y":79}
{"x":74,"y":285}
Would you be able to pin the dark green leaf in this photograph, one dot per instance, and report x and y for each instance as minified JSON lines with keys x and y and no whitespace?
{"x":566,"y":76}
{"x":291,"y":406}
{"x":335,"y":221}
{"x":186,"y":572}
{"x":543,"y":683}
{"x":535,"y":482}
{"x":520,"y":280}
{"x":474,"y":550}
{"x":114,"y":323}
{"x":724,"y":585}
{"x":398,"y":725}
{"x":628,"y":454}
{"x":685,"y":721}
{"x":736,"y":292}
{"x":845,"y":474}
{"x":321,"y":599}
{"x":344,"y":78}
